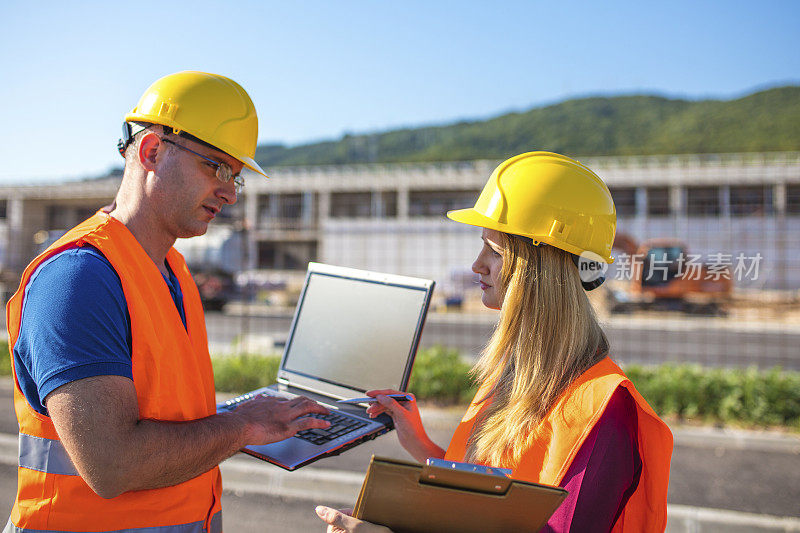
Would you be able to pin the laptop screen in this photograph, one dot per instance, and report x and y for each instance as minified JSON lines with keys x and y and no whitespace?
{"x":355,"y":333}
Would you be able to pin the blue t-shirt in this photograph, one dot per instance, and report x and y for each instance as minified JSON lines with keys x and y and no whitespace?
{"x":75,"y":323}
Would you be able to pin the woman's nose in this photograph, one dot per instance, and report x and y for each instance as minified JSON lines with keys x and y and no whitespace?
{"x":479,"y":267}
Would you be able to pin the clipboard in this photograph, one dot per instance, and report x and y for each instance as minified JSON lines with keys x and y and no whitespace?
{"x":413,"y":498}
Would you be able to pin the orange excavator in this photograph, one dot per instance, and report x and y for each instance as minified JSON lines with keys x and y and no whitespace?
{"x":663,"y":275}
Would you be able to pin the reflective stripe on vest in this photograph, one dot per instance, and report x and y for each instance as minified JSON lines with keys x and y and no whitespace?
{"x":194,"y":527}
{"x":44,"y":455}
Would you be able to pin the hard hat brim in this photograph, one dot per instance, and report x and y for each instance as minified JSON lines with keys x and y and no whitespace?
{"x":252,"y":165}
{"x":473,"y":218}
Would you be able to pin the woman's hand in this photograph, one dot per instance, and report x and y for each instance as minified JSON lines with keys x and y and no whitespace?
{"x":342,"y":522}
{"x":407,"y":422}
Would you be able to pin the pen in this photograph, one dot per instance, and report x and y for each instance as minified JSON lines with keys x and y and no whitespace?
{"x":368,"y":399}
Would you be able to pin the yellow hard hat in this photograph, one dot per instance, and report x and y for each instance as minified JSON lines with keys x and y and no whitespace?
{"x":210,"y":107}
{"x":549,"y":198}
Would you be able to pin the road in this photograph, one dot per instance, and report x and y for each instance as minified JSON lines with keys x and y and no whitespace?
{"x":647,"y":340}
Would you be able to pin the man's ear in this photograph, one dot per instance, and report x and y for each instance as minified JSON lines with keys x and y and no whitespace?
{"x":148,"y":150}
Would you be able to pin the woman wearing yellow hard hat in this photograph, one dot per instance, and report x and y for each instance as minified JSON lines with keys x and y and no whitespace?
{"x":552,"y":406}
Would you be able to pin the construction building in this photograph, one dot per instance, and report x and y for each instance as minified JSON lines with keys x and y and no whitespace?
{"x":390,"y":217}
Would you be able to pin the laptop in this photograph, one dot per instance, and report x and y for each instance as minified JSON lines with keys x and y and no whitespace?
{"x":353,"y":331}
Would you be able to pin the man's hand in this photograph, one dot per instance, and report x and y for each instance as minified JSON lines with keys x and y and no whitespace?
{"x":270,"y":419}
{"x":342,"y":522}
{"x":115,"y":451}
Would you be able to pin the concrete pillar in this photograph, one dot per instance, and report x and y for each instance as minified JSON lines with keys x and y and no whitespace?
{"x":250,"y":222}
{"x":307,"y":209}
{"x":377,"y":205}
{"x":779,"y":199}
{"x":323,"y":206}
{"x":725,"y":201}
{"x":677,"y":205}
{"x":641,"y":202}
{"x":273,"y":209}
{"x":251,"y":210}
{"x":402,"y":204}
{"x":677,"y":200}
{"x":15,"y":253}
{"x":640,"y":214}
{"x":783,"y":236}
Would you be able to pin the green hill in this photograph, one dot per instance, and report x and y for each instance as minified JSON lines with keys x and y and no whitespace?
{"x":624,"y":125}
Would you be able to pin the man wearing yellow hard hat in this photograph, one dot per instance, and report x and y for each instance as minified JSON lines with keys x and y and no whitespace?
{"x":114,"y":391}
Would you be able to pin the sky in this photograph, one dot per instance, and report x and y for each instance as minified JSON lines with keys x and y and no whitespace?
{"x":69,"y":71}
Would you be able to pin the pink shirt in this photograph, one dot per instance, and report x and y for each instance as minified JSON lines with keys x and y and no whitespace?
{"x":604,"y":473}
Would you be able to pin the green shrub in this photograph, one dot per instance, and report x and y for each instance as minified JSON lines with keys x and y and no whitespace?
{"x":440,"y":375}
{"x":687,"y":391}
{"x":716,"y":395}
{"x":244,"y":372}
{"x":5,"y":359}
{"x":720,"y":395}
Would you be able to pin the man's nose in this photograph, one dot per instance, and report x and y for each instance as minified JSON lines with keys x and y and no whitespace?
{"x":227,"y":193}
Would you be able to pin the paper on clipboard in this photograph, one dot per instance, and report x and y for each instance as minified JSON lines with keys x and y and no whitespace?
{"x":413,"y":498}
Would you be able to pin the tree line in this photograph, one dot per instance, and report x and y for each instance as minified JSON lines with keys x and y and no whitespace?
{"x":767,"y":120}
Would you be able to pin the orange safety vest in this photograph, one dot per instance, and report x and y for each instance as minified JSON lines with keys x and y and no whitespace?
{"x":174,"y":382}
{"x":562,"y":432}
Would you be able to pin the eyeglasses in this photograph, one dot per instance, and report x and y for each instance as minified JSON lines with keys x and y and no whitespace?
{"x":224,"y":171}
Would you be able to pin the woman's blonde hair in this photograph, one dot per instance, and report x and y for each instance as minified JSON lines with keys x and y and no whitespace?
{"x":547,"y":336}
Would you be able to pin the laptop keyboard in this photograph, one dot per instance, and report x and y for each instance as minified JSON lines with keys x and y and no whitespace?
{"x":340,"y":425}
